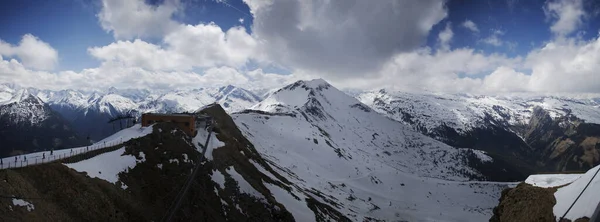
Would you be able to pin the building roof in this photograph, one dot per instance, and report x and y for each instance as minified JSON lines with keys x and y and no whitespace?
{"x":166,"y":114}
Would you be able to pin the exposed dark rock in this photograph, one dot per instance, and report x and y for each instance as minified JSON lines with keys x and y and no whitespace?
{"x":18,"y":137}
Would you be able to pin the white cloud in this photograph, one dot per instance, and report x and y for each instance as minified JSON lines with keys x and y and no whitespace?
{"x":186,"y":47}
{"x":505,"y":79}
{"x":208,"y":45}
{"x":445,"y":36}
{"x":342,"y":38}
{"x":33,"y":52}
{"x":140,"y":54}
{"x":134,"y":18}
{"x":447,"y":71}
{"x":494,"y":38}
{"x":347,"y":44}
{"x":566,"y":66}
{"x":567,"y":15}
{"x":122,"y":76}
{"x":241,"y":20}
{"x":559,"y":66}
{"x":470,"y":25}
{"x":269,"y":80}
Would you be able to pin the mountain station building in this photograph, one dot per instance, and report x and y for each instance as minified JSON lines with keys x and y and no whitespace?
{"x":186,"y":122}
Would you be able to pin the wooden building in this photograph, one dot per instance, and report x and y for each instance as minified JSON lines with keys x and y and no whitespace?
{"x":187,"y":122}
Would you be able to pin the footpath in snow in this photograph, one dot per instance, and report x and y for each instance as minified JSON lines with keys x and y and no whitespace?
{"x":45,"y":157}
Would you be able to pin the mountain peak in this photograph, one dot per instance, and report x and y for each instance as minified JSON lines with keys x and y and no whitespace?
{"x":315,"y":96}
{"x":316,"y":83}
{"x":112,"y":90}
{"x":24,"y":95}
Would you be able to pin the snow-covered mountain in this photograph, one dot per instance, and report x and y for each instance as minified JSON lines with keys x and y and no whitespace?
{"x":366,"y":165}
{"x":523,"y":128}
{"x":28,"y":124}
{"x":429,"y":111}
{"x":24,"y":109}
{"x":307,"y":152}
{"x":230,"y":97}
{"x":89,"y":111}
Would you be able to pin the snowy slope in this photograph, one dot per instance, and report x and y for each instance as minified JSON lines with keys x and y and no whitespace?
{"x":585,"y":206}
{"x":24,"y":108}
{"x":366,"y":164}
{"x":71,"y":98}
{"x":464,"y":112}
{"x":6,"y":93}
{"x":96,"y":167}
{"x":177,"y":101}
{"x":230,"y":97}
{"x":112,"y":104}
{"x":124,"y":135}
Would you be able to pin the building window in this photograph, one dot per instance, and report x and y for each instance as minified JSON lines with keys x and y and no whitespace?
{"x":187,"y":124}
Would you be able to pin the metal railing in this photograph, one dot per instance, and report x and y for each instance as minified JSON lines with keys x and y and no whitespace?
{"x":44,"y":157}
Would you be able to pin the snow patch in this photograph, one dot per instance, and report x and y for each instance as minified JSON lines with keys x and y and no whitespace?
{"x":551,"y":180}
{"x":23,"y":203}
{"x":213,"y":143}
{"x":263,"y":170}
{"x":106,"y":166}
{"x":142,"y":156}
{"x":483,"y":156}
{"x":245,"y":187}
{"x":125,"y":135}
{"x":218,"y":177}
{"x":298,"y":208}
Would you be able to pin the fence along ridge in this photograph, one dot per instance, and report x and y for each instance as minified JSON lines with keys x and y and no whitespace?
{"x":73,"y":157}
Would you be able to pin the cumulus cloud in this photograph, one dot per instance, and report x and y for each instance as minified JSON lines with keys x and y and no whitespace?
{"x":566,"y":66}
{"x":494,"y":38}
{"x":121,"y":76}
{"x":186,"y":47}
{"x":33,"y":52}
{"x":445,"y":36}
{"x":566,"y":15}
{"x":470,"y":25}
{"x":134,"y":18}
{"x":208,"y":45}
{"x":505,"y":79}
{"x":425,"y":69}
{"x":140,"y":54}
{"x":352,"y":45}
{"x":342,"y":38}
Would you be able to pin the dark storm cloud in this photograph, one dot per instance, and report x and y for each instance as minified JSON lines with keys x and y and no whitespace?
{"x":343,"y":37}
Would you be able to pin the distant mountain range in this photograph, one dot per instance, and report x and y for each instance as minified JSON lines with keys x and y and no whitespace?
{"x":89,"y":112}
{"x":538,"y":133}
{"x":376,"y":155}
{"x":28,"y":125}
{"x":533,"y":132}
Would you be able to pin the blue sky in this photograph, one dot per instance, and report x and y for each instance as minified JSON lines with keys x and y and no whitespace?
{"x":71,"y":26}
{"x":340,"y":41}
